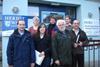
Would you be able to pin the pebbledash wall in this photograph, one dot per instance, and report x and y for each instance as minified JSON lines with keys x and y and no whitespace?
{"x":86,"y":11}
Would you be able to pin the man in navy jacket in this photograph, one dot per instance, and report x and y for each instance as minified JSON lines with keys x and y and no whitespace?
{"x":20,"y":49}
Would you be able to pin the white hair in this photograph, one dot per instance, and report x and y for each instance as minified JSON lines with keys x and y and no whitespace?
{"x":60,"y":21}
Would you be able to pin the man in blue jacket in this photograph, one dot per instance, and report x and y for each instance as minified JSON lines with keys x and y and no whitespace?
{"x":20,"y":49}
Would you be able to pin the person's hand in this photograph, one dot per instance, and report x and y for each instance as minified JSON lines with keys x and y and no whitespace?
{"x":32,"y":64}
{"x":42,"y":54}
{"x":57,"y":62}
{"x":10,"y":66}
{"x":80,"y":43}
{"x":75,"y":45}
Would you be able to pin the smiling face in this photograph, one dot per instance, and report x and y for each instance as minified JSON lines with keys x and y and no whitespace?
{"x":68,"y":21}
{"x":42,"y":29}
{"x":36,"y":21}
{"x":75,"y":24}
{"x":21,"y":25}
{"x":61,"y":25}
{"x":52,"y":20}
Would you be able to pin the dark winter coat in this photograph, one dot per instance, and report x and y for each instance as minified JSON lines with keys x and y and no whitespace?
{"x":20,"y":49}
{"x":43,"y":44}
{"x":83,"y":38}
{"x":62,"y":47}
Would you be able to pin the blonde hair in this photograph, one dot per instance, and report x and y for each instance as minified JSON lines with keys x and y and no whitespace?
{"x":36,"y":17}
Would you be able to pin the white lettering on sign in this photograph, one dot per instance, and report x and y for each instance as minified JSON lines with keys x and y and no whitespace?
{"x":91,"y":27}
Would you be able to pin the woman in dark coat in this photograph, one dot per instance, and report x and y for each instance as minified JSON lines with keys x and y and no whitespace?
{"x":42,"y":45}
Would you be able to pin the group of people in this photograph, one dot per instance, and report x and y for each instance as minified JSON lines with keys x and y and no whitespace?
{"x":61,"y":43}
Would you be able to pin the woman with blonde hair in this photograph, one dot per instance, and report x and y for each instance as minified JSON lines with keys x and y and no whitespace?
{"x":33,"y":29}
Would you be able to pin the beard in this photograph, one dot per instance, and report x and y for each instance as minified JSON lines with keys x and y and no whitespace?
{"x":62,"y":29}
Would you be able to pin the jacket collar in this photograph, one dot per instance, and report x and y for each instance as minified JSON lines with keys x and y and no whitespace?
{"x":78,"y":32}
{"x":16,"y":33}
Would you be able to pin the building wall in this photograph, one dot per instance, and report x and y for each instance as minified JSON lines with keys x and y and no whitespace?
{"x":93,"y":8}
{"x":83,"y":9}
{"x":9,"y":4}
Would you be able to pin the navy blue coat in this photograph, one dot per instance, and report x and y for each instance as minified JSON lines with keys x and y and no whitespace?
{"x":20,"y":49}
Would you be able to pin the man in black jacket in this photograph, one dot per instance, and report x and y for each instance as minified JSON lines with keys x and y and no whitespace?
{"x":80,"y":39}
{"x":20,"y":49}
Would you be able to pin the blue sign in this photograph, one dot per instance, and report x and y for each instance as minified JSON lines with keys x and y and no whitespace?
{"x":10,"y":21}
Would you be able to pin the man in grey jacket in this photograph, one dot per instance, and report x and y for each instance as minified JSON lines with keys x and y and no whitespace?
{"x":62,"y":46}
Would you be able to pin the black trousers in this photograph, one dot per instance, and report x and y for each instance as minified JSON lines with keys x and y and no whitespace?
{"x":78,"y":59}
{"x":66,"y":65}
